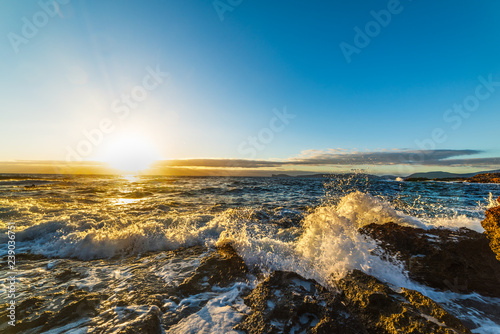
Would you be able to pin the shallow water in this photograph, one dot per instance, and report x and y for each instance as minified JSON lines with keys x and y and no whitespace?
{"x":132,"y":238}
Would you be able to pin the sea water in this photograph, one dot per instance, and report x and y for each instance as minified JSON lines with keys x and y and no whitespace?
{"x":119,"y":233}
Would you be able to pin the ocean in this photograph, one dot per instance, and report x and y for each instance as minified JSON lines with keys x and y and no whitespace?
{"x":128,"y":242}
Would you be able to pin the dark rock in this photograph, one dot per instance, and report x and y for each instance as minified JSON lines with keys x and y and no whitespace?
{"x":286,"y":302}
{"x":491,"y":225}
{"x":77,"y":305}
{"x":28,"y":315}
{"x":381,"y":310}
{"x":460,"y":261}
{"x":67,"y":275}
{"x":150,"y":323}
{"x":220,"y":268}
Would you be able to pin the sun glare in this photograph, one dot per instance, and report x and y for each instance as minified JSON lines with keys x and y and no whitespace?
{"x":129,"y":153}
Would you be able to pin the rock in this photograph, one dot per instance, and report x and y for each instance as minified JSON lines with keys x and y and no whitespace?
{"x":220,"y":268}
{"x":288,"y":303}
{"x":381,"y":310}
{"x":67,"y":275}
{"x":149,"y":323}
{"x":77,"y":305}
{"x":29,"y":314}
{"x":491,"y":225}
{"x":285,"y":302}
{"x":460,"y":261}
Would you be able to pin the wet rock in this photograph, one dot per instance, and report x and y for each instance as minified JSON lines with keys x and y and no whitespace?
{"x":28,"y":315}
{"x":382,"y":310}
{"x":491,"y":225}
{"x":460,"y":261}
{"x":67,"y":275}
{"x":149,"y":323}
{"x":288,"y":303}
{"x":220,"y":268}
{"x":78,"y":304}
{"x":429,"y":307}
{"x":128,"y":320}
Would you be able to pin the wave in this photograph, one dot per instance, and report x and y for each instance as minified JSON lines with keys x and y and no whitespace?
{"x":326,"y":242}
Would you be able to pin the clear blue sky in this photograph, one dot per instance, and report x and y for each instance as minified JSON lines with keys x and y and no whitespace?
{"x":226,"y":76}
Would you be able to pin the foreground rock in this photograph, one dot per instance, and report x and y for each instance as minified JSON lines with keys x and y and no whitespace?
{"x":220,"y":268}
{"x":287,"y":303}
{"x":491,"y":225}
{"x":381,"y":310}
{"x":76,"y":305}
{"x":460,"y":261}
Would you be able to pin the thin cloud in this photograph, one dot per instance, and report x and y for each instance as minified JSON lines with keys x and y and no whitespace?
{"x":345,"y":158}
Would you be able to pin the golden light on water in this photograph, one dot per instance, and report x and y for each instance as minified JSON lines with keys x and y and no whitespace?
{"x":129,"y":153}
{"x":124,"y":201}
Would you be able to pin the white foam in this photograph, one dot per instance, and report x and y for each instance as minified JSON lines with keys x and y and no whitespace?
{"x":363,"y":209}
{"x":327,"y":246}
{"x":455,"y":222}
{"x":332,"y":245}
{"x":219,"y":315}
{"x":492,"y":202}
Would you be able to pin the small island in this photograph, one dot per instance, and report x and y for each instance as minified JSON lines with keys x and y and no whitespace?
{"x":477,"y":178}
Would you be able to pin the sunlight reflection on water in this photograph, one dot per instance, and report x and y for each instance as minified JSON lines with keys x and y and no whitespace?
{"x":124,"y":201}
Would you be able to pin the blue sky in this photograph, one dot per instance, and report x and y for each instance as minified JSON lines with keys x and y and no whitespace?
{"x":226,"y":76}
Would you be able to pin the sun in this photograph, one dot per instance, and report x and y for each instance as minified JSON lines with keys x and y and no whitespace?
{"x":128,"y":153}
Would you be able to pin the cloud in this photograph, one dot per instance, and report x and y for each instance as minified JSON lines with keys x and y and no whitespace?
{"x":383,"y":157}
{"x":219,"y":163}
{"x":341,"y":157}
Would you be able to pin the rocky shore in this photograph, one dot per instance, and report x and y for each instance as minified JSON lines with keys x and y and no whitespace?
{"x":491,"y":225}
{"x":455,"y":261}
{"x":287,"y":303}
{"x":458,"y":261}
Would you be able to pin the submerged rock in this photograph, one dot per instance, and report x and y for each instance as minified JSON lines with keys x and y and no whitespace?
{"x":288,"y":303}
{"x":460,"y":261}
{"x":491,"y":225}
